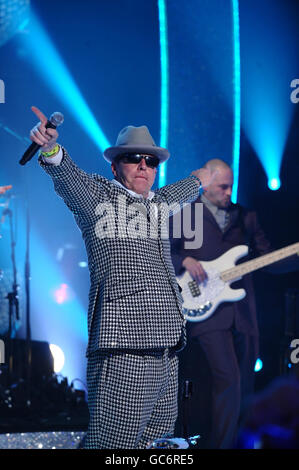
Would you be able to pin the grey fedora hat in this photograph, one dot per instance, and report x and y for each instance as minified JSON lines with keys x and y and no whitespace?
{"x":133,"y":139}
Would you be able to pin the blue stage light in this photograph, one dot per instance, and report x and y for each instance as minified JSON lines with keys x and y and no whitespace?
{"x":274,"y":183}
{"x":237,"y":99}
{"x":46,"y":58}
{"x":82,"y":264}
{"x":258,"y":365}
{"x":268,"y":63}
{"x":164,"y":85}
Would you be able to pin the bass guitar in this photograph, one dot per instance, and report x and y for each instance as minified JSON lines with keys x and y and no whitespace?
{"x":201,"y":300}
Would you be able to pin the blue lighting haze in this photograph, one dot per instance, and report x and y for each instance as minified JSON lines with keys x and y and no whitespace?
{"x":268,"y":61}
{"x":45,"y":58}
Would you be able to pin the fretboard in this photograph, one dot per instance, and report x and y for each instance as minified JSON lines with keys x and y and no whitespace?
{"x":258,"y":263}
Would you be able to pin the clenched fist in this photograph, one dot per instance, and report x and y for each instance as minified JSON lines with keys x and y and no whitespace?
{"x":205,"y":175}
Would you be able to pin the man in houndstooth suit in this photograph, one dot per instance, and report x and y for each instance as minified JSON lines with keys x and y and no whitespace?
{"x":135,"y":323}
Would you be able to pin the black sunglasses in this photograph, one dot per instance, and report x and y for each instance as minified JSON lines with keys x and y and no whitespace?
{"x":150,"y":160}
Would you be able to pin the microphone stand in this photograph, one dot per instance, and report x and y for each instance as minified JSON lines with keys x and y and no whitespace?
{"x":13,"y":299}
{"x":28,"y":327}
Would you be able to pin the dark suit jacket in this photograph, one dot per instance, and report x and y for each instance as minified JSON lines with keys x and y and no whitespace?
{"x":243,"y":228}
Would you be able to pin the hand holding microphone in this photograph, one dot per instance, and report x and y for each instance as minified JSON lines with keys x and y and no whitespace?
{"x":43,"y":135}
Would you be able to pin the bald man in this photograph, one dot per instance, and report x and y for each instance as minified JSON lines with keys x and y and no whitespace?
{"x":229,"y":338}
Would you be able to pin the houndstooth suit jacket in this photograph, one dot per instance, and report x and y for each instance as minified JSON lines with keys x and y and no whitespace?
{"x":134,"y":301}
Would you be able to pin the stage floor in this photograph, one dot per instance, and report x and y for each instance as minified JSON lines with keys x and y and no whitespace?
{"x":42,"y":440}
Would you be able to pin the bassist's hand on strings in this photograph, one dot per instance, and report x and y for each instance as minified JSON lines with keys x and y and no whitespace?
{"x":195,"y":269}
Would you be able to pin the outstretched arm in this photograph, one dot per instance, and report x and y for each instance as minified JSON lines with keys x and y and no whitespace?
{"x":79,"y":190}
{"x":188,"y":189}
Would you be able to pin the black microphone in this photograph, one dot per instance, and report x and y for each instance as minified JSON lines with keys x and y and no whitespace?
{"x":55,"y":120}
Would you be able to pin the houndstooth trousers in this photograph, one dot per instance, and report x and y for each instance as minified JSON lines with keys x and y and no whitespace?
{"x":132,"y":397}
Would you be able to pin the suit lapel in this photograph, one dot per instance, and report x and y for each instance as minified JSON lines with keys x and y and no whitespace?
{"x":233,"y":217}
{"x":207,"y":215}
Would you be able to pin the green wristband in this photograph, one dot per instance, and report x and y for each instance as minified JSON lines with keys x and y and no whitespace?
{"x":52,"y":152}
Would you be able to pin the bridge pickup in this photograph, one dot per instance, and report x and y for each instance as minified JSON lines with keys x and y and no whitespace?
{"x":194,"y":288}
